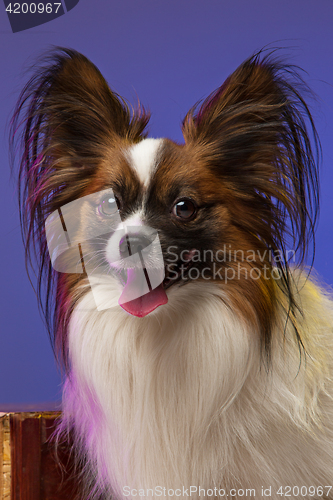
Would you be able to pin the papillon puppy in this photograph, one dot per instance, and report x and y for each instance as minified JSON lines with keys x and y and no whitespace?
{"x":198,"y":352}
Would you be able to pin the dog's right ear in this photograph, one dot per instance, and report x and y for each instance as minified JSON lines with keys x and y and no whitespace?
{"x":66,"y":119}
{"x":80,"y":105}
{"x":72,"y":107}
{"x":64,"y":125}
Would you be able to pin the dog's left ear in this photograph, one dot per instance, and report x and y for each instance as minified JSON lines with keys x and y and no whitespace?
{"x":241,"y":121}
{"x":253,"y":132}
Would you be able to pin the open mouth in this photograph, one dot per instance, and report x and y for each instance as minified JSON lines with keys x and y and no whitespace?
{"x":147,"y":301}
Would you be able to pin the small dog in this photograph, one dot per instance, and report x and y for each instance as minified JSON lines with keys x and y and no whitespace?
{"x":197,"y":350}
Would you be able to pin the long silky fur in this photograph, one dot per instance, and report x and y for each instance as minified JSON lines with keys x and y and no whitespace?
{"x":60,"y":128}
{"x":255,"y":136}
{"x":197,"y":393}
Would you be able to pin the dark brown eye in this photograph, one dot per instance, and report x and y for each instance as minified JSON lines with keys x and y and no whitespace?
{"x":109,"y":205}
{"x":185,"y":209}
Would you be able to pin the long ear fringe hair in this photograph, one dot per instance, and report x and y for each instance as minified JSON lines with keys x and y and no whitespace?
{"x":42,"y":111}
{"x":290,"y":191}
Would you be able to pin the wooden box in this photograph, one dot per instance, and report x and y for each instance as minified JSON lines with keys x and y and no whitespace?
{"x":30,"y":469}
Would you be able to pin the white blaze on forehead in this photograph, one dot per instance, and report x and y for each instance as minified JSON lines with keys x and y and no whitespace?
{"x":143,"y":157}
{"x":135,"y":219}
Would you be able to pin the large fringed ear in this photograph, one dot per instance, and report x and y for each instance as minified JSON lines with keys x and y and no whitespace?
{"x":74,"y":102}
{"x":69,"y":116}
{"x":248,"y":97}
{"x":257,"y":134}
{"x":66,"y":118}
{"x":66,"y":122}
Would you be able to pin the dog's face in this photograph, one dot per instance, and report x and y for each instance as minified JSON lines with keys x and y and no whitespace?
{"x":162,"y":186}
{"x":244,"y":172}
{"x":153,"y":208}
{"x":163,"y":199}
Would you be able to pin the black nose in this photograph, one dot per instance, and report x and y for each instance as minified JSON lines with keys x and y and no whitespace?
{"x":133,"y":243}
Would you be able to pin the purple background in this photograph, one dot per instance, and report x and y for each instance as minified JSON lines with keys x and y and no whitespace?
{"x":169,"y":53}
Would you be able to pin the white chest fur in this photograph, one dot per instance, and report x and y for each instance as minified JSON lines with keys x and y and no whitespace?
{"x":180,"y":398}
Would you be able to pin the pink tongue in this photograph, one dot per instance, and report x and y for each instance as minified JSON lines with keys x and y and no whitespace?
{"x":144,"y":304}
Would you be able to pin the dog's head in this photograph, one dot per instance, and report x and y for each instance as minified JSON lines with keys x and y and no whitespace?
{"x":151,"y":215}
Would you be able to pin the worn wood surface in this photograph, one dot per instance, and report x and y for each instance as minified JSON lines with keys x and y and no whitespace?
{"x":30,"y":468}
{"x":5,"y":461}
